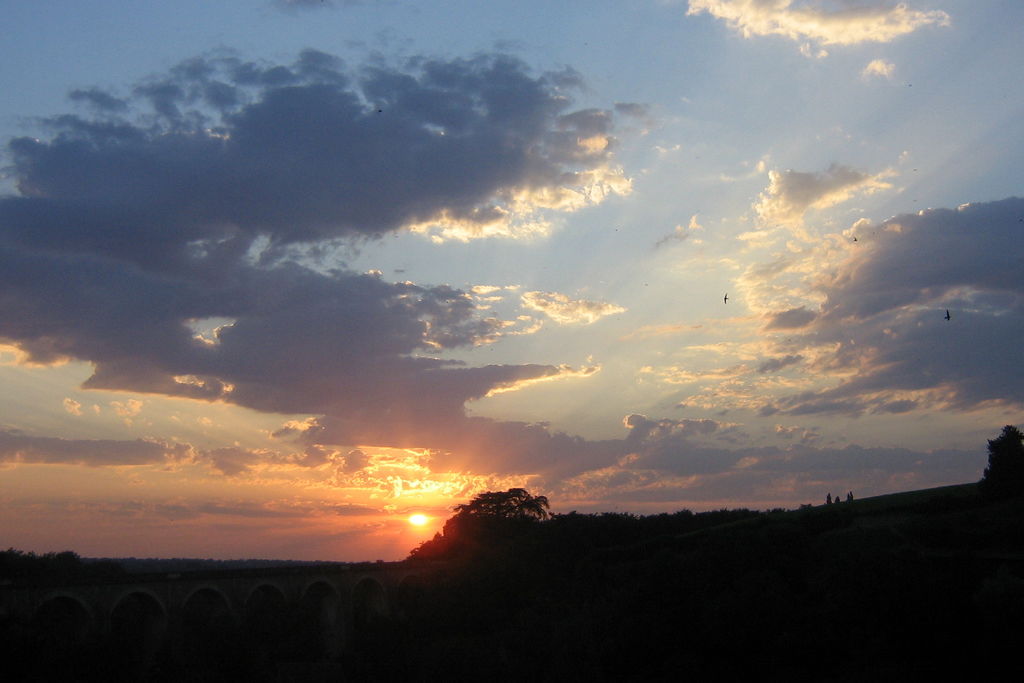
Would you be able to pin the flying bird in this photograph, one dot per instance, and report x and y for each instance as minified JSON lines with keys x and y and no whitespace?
{"x":726,"y":299}
{"x":947,"y":314}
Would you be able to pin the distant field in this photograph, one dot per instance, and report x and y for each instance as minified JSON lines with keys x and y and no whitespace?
{"x":909,"y":498}
{"x":885,"y":509}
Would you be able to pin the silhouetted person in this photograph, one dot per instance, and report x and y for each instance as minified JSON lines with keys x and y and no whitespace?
{"x":849,"y":496}
{"x":828,"y":498}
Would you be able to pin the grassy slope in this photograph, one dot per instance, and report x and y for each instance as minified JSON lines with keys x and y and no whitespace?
{"x":902,"y":586}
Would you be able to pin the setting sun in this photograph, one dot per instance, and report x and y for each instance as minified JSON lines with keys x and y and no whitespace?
{"x":417,"y":520}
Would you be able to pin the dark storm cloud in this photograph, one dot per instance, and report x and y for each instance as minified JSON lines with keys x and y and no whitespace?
{"x":300,"y":341}
{"x":222,"y":151}
{"x":927,"y":257}
{"x":99,"y":100}
{"x":884,"y":315}
{"x":792,"y":319}
{"x":354,"y":460}
{"x":18,"y":447}
{"x":669,"y":446}
{"x":230,"y":460}
{"x":201,"y":196}
{"x":774,"y":364}
{"x":641,"y":428}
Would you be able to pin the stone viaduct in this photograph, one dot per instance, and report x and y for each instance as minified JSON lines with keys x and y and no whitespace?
{"x":307,"y":611}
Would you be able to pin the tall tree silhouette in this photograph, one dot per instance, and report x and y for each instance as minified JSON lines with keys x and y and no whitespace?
{"x":1004,"y":475}
{"x":511,"y":504}
{"x":489,"y":519}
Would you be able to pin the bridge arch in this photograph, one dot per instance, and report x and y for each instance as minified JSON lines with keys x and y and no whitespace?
{"x":262,"y":590}
{"x":409,"y":596}
{"x":138,"y":629}
{"x":319,"y":630}
{"x":369,"y":601}
{"x":267,"y":618}
{"x":310,"y":614}
{"x":62,"y":623}
{"x":372,"y":630}
{"x":207,"y":621}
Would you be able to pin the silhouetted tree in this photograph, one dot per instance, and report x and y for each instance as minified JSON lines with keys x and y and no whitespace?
{"x":511,"y":504}
{"x":62,"y":566}
{"x":1004,"y":476}
{"x":491,"y":517}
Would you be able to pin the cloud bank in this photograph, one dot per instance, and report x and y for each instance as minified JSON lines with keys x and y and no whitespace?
{"x":179,"y":237}
{"x":16,"y":447}
{"x":221,"y":151}
{"x":883,"y":323}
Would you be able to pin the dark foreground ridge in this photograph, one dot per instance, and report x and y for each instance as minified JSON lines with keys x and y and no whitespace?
{"x":921,"y":585}
{"x":914,"y":586}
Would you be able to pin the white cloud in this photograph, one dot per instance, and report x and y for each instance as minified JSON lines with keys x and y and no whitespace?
{"x":129,"y":408}
{"x":790,"y":194}
{"x":680,"y":375}
{"x":681,"y":232}
{"x":847,"y":22}
{"x":525,"y":213}
{"x":878,"y":68}
{"x":562,"y":372}
{"x":807,"y":50}
{"x":72,"y":406}
{"x":562,"y":309}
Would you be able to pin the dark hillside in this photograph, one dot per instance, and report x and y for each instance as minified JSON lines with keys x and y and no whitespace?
{"x":912,"y":586}
{"x":923,"y":585}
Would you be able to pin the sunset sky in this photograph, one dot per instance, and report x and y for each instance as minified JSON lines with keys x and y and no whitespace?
{"x":275,"y":276}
